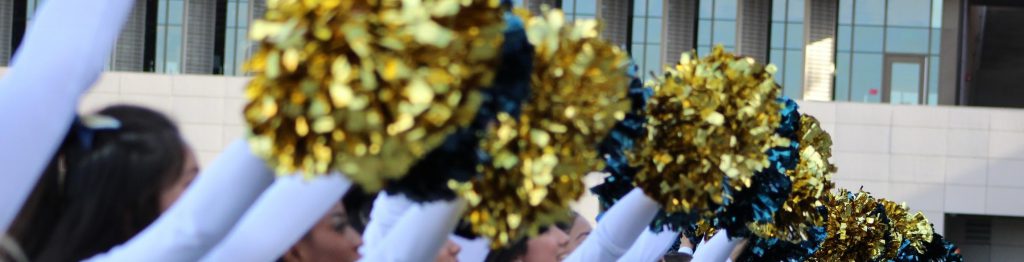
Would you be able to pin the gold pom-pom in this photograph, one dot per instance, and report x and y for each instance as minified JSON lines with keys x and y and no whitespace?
{"x":855,"y":228}
{"x":709,"y":119}
{"x":811,"y":180}
{"x":905,"y":226}
{"x":578,"y":93}
{"x":366,"y":87}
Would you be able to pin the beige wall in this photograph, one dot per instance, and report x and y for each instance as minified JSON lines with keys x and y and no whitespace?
{"x":207,"y":109}
{"x":939,"y":159}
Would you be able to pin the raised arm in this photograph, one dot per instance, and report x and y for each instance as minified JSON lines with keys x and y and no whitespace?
{"x":717,"y":249}
{"x":387,"y":210}
{"x":618,"y":229}
{"x":420,"y":233}
{"x":61,"y":56}
{"x":281,"y":216}
{"x":651,"y":246}
{"x":205,"y":212}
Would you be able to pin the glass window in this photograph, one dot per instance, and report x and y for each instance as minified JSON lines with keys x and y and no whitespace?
{"x":842,"y":92}
{"x":905,"y":83}
{"x":236,"y":42}
{"x":787,"y":47}
{"x":933,"y":80}
{"x":173,"y":55}
{"x":652,"y":59}
{"x":717,"y":25}
{"x":907,"y":40}
{"x":845,"y":12}
{"x":654,"y":30}
{"x":796,"y":11}
{"x":170,"y":38}
{"x":868,"y":38}
{"x":575,"y":10}
{"x":778,"y":34}
{"x":175,"y":12}
{"x":705,"y":8}
{"x":777,"y":57}
{"x":866,"y":80}
{"x":909,"y":13}
{"x":725,"y":9}
{"x":794,"y":74}
{"x":843,"y":34}
{"x":869,"y":12}
{"x":724,"y":33}
{"x":704,"y":33}
{"x":646,"y":32}
{"x":779,"y":11}
{"x":795,"y":35}
{"x":870,"y":30}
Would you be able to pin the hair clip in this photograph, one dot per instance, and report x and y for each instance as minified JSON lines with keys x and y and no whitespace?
{"x":86,"y":126}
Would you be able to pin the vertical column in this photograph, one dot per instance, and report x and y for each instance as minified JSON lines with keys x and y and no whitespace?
{"x":534,"y":5}
{"x":949,"y":73}
{"x":615,"y":16}
{"x":752,"y":25}
{"x":680,"y":29}
{"x":6,"y":30}
{"x":131,"y":44}
{"x":200,"y":23}
{"x":820,"y":44}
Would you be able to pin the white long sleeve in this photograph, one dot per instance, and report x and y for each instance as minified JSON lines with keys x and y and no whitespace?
{"x":387,"y":210}
{"x":420,"y":233}
{"x":717,"y":249}
{"x":281,"y":216}
{"x":472,"y":250}
{"x":61,"y":56}
{"x":619,"y":228}
{"x":650,"y":246}
{"x":205,"y":212}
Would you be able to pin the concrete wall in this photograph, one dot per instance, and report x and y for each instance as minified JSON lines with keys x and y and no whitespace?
{"x":938,"y":159}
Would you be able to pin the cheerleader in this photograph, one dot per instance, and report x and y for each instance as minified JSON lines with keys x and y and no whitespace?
{"x":61,"y":56}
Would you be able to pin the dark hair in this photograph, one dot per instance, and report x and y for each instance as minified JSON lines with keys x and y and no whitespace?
{"x":509,"y":253}
{"x":677,"y":257}
{"x":109,"y":189}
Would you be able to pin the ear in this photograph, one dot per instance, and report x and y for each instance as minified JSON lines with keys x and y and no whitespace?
{"x":294,"y":254}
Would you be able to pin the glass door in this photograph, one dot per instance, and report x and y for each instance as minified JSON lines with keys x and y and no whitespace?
{"x":904,"y":80}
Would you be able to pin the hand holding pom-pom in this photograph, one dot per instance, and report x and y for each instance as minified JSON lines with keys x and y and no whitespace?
{"x":578,"y":92}
{"x":366,"y":88}
{"x":710,"y":123}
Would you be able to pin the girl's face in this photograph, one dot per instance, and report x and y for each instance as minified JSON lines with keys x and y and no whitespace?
{"x":551,"y":246}
{"x":188,"y":173}
{"x":331,"y":239}
{"x":579,"y":232}
{"x":448,"y":253}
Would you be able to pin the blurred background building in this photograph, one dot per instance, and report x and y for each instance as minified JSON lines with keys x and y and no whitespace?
{"x":919,"y":95}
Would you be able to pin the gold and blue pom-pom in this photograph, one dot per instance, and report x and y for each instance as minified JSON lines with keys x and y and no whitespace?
{"x":774,"y":249}
{"x":905,"y":230}
{"x":457,"y":158}
{"x":578,"y":92}
{"x":856,"y":228}
{"x":619,"y":141}
{"x":770,"y":187}
{"x":366,"y":88}
{"x":811,"y":184}
{"x":709,"y":124}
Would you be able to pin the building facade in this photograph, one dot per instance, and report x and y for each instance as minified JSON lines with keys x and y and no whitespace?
{"x":894,"y":81}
